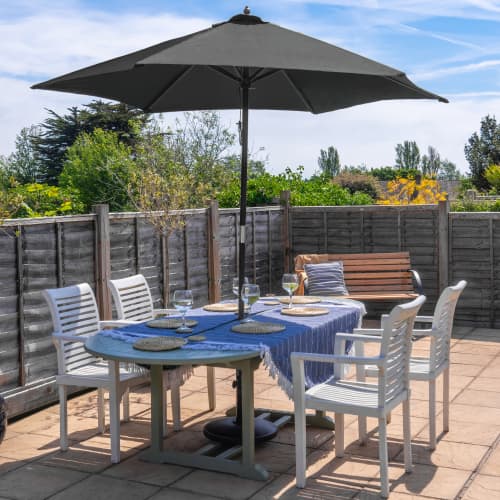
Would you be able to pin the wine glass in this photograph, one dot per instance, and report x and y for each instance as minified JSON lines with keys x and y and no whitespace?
{"x":250,"y":294}
{"x":183,"y":301}
{"x":290,"y":283}
{"x":236,"y":285}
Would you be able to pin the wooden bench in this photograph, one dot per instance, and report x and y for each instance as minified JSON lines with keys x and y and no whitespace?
{"x":369,"y":276}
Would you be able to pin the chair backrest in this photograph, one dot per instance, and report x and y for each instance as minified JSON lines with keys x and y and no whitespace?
{"x":132,"y":298}
{"x":395,"y":349}
{"x":442,"y":325}
{"x":74,"y":312}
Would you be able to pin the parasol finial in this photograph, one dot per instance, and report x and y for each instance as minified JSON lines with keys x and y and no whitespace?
{"x":246,"y":10}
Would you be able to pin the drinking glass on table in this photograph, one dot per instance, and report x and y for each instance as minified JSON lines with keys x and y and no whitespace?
{"x":250,"y":294}
{"x":290,"y":283}
{"x":183,"y":301}
{"x":236,"y":285}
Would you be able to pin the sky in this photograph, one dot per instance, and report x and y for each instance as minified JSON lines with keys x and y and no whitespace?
{"x":449,"y":47}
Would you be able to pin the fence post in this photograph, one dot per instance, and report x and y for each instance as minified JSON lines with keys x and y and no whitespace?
{"x":103,"y":260}
{"x":443,"y":243}
{"x":214,"y":267}
{"x":285,"y":229}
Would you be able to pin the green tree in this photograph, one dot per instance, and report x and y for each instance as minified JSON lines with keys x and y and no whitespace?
{"x":200,"y":142}
{"x":233,"y":165}
{"x":448,"y":171}
{"x":431,"y":162}
{"x":98,"y":167}
{"x":407,"y":155}
{"x":59,"y":132}
{"x":23,"y":164}
{"x":329,"y":162}
{"x":483,"y":150}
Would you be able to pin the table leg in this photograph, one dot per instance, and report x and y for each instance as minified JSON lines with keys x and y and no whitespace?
{"x":157,"y":395}
{"x":247,"y":418}
{"x":114,"y":410}
{"x":223,"y":459}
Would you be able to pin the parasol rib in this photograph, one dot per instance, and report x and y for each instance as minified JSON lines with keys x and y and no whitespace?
{"x":303,"y":98}
{"x":167,"y":87}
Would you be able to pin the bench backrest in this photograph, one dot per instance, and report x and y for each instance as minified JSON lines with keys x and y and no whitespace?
{"x":368,"y":272}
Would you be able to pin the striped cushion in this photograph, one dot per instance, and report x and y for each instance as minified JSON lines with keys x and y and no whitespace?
{"x":325,"y":279}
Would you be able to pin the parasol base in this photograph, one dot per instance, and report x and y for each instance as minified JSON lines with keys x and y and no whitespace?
{"x":227,"y":431}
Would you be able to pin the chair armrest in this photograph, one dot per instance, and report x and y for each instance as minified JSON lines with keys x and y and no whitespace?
{"x":418,"y":282}
{"x":424,"y":319}
{"x":331,"y":358}
{"x":362,"y":335}
{"x":69,"y":338}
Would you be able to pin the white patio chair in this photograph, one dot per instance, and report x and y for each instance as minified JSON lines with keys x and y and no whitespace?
{"x":75,"y":318}
{"x":342,"y":396}
{"x":134,"y":304}
{"x":438,"y":361}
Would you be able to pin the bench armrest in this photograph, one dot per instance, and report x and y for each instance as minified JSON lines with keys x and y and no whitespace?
{"x":419,"y":288}
{"x":302,"y":276}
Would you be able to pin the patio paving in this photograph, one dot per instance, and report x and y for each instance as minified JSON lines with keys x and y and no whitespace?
{"x":465,"y":464}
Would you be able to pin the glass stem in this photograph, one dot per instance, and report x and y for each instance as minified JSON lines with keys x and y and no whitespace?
{"x":290,"y":303}
{"x":183,"y":320}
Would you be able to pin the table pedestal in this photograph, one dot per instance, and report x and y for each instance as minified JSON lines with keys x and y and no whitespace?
{"x":229,"y":430}
{"x":245,"y":467}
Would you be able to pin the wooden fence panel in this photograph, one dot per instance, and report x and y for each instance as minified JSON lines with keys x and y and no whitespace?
{"x":372,"y":229}
{"x":475,"y":257}
{"x":60,"y":251}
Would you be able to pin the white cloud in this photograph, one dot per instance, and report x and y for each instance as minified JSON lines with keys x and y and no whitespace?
{"x":467,"y":9}
{"x":457,"y":70}
{"x":58,"y":37}
{"x":368,"y":134}
{"x":61,"y":40}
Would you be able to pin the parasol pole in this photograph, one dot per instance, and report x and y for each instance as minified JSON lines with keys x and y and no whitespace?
{"x":244,"y":87}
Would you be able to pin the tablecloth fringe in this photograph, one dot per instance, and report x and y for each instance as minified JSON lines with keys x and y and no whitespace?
{"x":275,"y":373}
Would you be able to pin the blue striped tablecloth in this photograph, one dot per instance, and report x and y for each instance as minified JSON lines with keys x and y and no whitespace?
{"x":302,"y":334}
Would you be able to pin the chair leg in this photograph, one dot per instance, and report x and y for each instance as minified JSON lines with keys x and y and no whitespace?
{"x":300,"y":447}
{"x":101,"y":424}
{"x":63,"y":418}
{"x":211,"y":387}
{"x":407,"y":436}
{"x":383,"y":457}
{"x":164,"y":413}
{"x":126,"y":405}
{"x":432,"y":414}
{"x":175,"y":394}
{"x":339,"y":435}
{"x":361,"y":429}
{"x":446,"y":400}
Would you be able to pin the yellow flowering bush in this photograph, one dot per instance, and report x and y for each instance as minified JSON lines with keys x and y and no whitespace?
{"x":410,"y":192}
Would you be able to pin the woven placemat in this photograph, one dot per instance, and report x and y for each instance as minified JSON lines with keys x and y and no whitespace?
{"x":300,"y":299}
{"x":159,"y":343}
{"x":256,"y":327}
{"x":221,"y":307}
{"x":305,"y":311}
{"x":170,"y":323}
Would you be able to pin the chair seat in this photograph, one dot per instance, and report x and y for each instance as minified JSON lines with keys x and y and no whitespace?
{"x":97,"y":372}
{"x":419,"y":369}
{"x":345,"y":396}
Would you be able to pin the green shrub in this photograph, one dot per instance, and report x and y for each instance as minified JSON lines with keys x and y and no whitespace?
{"x":266,"y":188}
{"x":359,"y":183}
